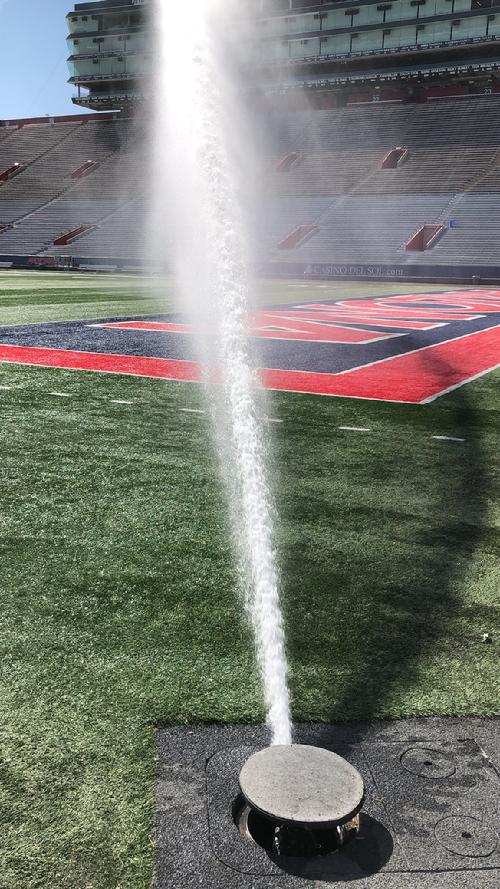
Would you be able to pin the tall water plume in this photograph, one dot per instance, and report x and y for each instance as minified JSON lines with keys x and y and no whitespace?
{"x":198,"y":148}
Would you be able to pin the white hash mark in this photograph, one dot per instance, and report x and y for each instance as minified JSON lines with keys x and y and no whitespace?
{"x":355,"y":428}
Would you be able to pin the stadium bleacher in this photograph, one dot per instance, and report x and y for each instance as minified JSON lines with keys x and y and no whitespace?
{"x":371,"y":228}
{"x":363,"y":213}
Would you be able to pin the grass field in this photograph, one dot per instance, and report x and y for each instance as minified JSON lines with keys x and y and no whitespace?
{"x":117,"y":594}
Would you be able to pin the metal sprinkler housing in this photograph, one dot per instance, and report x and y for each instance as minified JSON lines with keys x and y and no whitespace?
{"x":301,"y":800}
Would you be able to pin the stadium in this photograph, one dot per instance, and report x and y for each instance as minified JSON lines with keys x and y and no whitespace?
{"x":131,"y":690}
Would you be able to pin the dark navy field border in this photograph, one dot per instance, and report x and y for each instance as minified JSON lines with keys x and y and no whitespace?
{"x":317,"y":357}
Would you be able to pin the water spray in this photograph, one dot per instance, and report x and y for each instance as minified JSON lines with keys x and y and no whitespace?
{"x":195,"y":172}
{"x":295,"y":796}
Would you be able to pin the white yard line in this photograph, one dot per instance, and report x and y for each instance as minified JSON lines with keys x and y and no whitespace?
{"x":446,"y":438}
{"x":190,"y":410}
{"x":5,"y":387}
{"x":355,"y":428}
{"x":120,"y":401}
{"x":61,"y":394}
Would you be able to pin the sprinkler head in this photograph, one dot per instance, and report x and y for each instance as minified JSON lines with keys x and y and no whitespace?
{"x":300,"y":800}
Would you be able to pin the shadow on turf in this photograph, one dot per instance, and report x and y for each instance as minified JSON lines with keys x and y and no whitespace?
{"x":394,"y":621}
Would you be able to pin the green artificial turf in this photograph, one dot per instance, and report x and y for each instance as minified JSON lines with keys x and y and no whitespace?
{"x":34,"y":297}
{"x":117,"y":592}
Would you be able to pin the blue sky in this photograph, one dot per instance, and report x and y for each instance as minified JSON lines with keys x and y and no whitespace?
{"x":33,"y":51}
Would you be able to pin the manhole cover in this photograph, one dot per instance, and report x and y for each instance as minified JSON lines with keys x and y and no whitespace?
{"x":425,"y":762}
{"x":466,"y":836}
{"x":302,"y":784}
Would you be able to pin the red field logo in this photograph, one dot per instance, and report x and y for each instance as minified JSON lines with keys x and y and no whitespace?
{"x":409,"y":348}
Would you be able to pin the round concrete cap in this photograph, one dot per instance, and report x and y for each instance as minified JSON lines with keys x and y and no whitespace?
{"x":306,"y":786}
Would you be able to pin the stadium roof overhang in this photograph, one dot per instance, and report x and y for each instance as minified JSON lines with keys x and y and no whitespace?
{"x":104,"y":5}
{"x":88,"y":81}
{"x":375,"y":26}
{"x":475,"y":51}
{"x":116,"y":102}
{"x":435,"y":72}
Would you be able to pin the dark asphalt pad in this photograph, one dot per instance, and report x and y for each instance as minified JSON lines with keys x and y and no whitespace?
{"x":430,"y":818}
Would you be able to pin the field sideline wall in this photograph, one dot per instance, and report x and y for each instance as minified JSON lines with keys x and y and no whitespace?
{"x":324,"y":271}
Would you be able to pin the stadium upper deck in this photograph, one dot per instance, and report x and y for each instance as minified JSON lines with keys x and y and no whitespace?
{"x":328,"y":45}
{"x":107,"y":43}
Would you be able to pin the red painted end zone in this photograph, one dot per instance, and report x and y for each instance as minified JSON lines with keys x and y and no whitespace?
{"x":99,"y":361}
{"x":415,"y":377}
